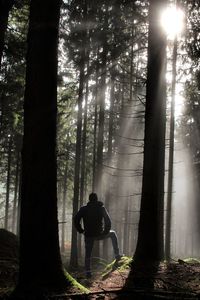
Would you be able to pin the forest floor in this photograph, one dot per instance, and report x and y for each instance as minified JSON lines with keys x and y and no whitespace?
{"x":176,"y":280}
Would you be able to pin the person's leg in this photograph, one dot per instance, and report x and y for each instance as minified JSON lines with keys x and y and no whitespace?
{"x":114,"y":239}
{"x":89,"y":242}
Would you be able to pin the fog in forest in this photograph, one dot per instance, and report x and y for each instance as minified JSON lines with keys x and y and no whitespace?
{"x":185,"y":206}
{"x":123,"y":175}
{"x":121,"y":188}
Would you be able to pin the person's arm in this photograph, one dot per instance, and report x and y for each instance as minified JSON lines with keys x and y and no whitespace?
{"x":77,"y":221}
{"x":107,"y":221}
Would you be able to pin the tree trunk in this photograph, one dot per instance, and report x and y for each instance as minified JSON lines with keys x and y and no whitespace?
{"x":100,"y":138}
{"x":95,"y":131}
{"x":74,"y":244}
{"x":84,"y":139}
{"x":171,"y":158}
{"x":83,"y":160}
{"x":8,"y":183}
{"x":64,"y":206}
{"x":40,"y":261}
{"x":16,"y":193}
{"x":150,"y":235}
{"x":109,"y":154}
{"x":126,"y":233}
{"x":19,"y":202}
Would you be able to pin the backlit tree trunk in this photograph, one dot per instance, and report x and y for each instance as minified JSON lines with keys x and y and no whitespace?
{"x":64,"y":198}
{"x":108,"y":193}
{"x":171,"y":157}
{"x":40,"y":261}
{"x":150,"y":236}
{"x":74,"y":244}
{"x":95,"y":131}
{"x":17,"y":171}
{"x":8,"y":183}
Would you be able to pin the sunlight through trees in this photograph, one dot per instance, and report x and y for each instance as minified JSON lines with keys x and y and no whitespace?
{"x":99,"y":96}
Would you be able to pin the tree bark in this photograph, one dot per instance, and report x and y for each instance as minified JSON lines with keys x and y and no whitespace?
{"x":100,"y":138}
{"x":40,"y":261}
{"x":74,"y":244}
{"x":109,"y":154}
{"x":150,"y":235}
{"x":83,"y":158}
{"x":95,"y":132}
{"x":16,"y":192}
{"x":171,"y":157}
{"x":64,"y":206}
{"x":8,"y":182}
{"x":84,"y":140}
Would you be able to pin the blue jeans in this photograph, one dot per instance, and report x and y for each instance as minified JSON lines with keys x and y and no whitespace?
{"x":89,"y":242}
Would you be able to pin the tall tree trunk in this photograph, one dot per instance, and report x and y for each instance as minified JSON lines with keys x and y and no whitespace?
{"x":126,"y":233}
{"x":64,"y":206}
{"x":83,"y":160}
{"x":16,"y":192}
{"x":84,"y":140}
{"x":40,"y":261}
{"x":8,"y":182}
{"x":95,"y":131}
{"x":100,"y":138}
{"x":171,"y":157}
{"x":19,"y":202}
{"x":150,"y":234}
{"x":74,"y":244}
{"x":5,"y":7}
{"x":109,"y":154}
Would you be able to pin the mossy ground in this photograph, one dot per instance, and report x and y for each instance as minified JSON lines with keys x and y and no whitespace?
{"x":121,"y":265}
{"x":180,"y":277}
{"x":75,"y":284}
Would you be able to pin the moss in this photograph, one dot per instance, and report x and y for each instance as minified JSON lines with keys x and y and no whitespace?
{"x":121,"y":265}
{"x":191,"y":260}
{"x":75,"y":283}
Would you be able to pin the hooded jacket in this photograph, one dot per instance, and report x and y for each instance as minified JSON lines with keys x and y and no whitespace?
{"x":96,"y":220}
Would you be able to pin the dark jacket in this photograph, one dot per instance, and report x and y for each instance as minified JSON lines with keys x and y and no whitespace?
{"x":96,"y":220}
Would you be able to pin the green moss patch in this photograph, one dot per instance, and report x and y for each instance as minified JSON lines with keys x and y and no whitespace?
{"x":121,"y":265}
{"x":192,"y":260}
{"x":75,"y":283}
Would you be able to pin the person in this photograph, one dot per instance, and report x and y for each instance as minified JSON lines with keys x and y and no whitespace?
{"x":96,"y":226}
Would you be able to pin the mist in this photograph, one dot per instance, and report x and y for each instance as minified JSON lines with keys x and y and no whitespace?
{"x":122,"y":175}
{"x":185,"y":206}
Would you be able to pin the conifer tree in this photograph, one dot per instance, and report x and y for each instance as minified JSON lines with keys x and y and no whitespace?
{"x":150,"y":232}
{"x":38,"y":222}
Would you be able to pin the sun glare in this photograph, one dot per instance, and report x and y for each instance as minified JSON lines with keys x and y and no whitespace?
{"x":172,"y":20}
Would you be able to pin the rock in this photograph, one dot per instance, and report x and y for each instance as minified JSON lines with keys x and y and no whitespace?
{"x":9,"y":245}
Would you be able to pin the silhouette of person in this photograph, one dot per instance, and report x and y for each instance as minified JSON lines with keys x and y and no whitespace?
{"x":96,"y":226}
